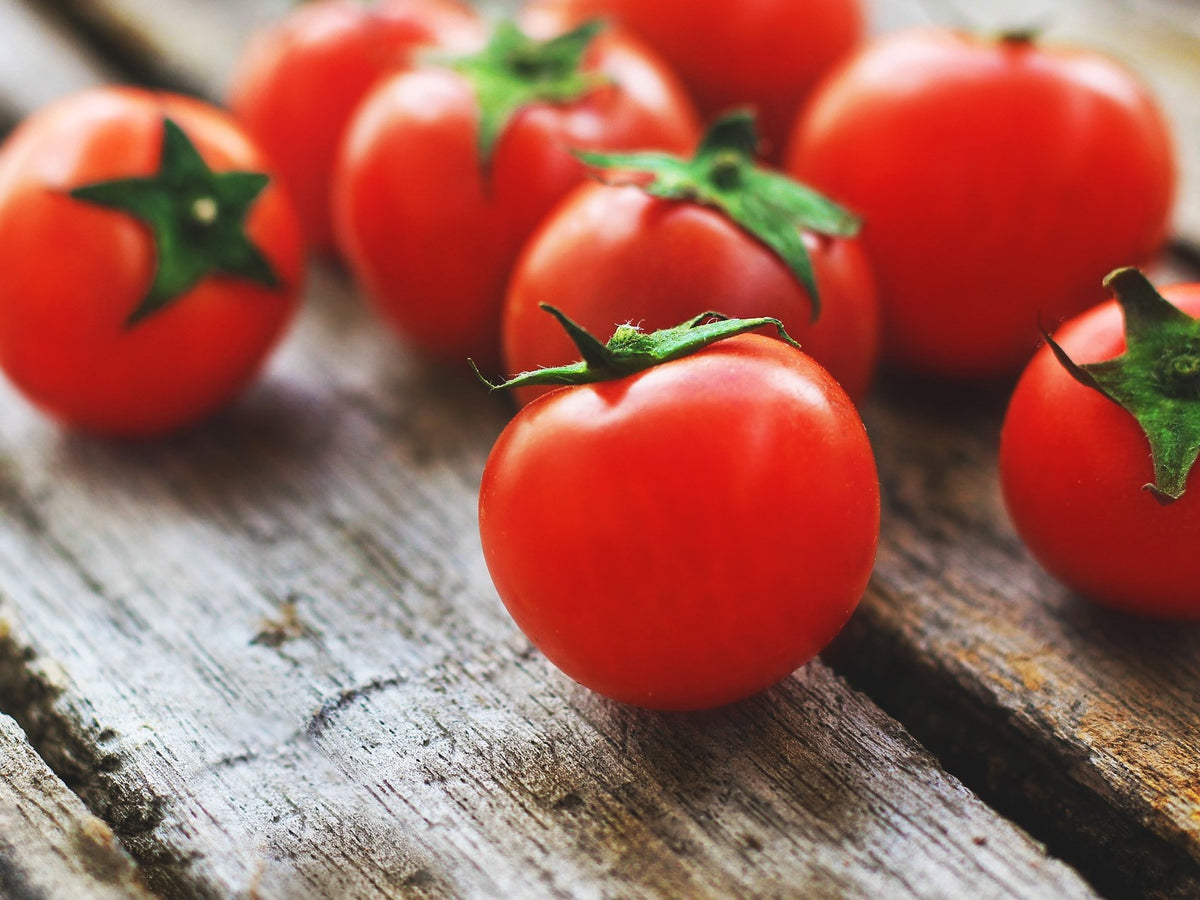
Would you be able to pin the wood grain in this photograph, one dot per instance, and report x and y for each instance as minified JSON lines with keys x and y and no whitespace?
{"x":267,"y":653}
{"x":40,"y":60}
{"x":389,"y":731}
{"x":185,"y":45}
{"x":1079,"y":722}
{"x":50,"y":845}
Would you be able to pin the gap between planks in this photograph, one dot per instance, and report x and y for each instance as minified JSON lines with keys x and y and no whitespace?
{"x":50,"y":845}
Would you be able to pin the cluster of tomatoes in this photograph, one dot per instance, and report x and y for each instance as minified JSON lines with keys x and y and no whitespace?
{"x":682,"y":514}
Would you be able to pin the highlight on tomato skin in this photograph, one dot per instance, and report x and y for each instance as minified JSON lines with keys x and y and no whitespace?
{"x":686,"y":536}
{"x":1000,"y":180}
{"x":1074,"y":468}
{"x":96,"y":328}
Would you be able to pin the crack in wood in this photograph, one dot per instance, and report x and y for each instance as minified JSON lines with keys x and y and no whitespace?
{"x":121,"y":44}
{"x":125,"y":805}
{"x":976,"y":740}
{"x":323,"y":717}
{"x":15,"y":883}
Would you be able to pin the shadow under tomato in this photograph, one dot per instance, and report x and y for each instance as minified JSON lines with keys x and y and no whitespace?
{"x":235,"y":451}
{"x":1166,"y":644}
{"x":929,"y":397}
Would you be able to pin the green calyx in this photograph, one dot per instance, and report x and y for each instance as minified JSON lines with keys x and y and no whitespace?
{"x":197,"y":218}
{"x":767,"y":205}
{"x":631,"y":350}
{"x":1156,"y":380}
{"x":514,"y":71}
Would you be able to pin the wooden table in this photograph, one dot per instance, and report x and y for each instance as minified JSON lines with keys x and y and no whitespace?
{"x":264,"y":658}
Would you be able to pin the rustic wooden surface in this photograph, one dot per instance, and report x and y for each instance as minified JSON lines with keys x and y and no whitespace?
{"x":39,"y":61}
{"x":266,"y":653}
{"x":50,"y":845}
{"x":394,"y":731}
{"x":1080,"y":723}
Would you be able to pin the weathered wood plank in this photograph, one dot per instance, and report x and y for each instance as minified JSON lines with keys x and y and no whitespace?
{"x":39,"y":61}
{"x":239,"y":486}
{"x":50,"y":845}
{"x":392,"y":730}
{"x":1081,"y":723}
{"x":189,"y":45}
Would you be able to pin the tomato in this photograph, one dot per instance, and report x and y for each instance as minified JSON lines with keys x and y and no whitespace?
{"x":98,"y":325}
{"x":610,"y":255}
{"x":688,"y":535}
{"x":999,"y":181}
{"x":432,"y":231}
{"x":768,"y":54}
{"x":298,"y":82}
{"x":1073,"y":464}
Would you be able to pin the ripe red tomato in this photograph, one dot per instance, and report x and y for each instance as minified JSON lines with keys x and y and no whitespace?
{"x":688,"y":535}
{"x":1073,"y":464}
{"x":998,"y":180}
{"x":95,"y":327}
{"x":432,"y":234}
{"x":768,"y":54}
{"x":610,"y":255}
{"x":299,"y":82}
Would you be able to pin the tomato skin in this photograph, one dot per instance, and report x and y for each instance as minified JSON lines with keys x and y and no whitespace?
{"x":611,"y":255}
{"x":689,"y":535}
{"x":71,"y":273}
{"x":298,"y":83}
{"x":768,"y":54}
{"x":433,"y":244}
{"x":1072,"y":466}
{"x":998,"y":181}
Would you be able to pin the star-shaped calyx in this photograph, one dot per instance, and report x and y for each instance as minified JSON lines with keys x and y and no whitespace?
{"x":197,"y":218}
{"x":723,"y":175}
{"x":514,"y":71}
{"x":1156,"y":380}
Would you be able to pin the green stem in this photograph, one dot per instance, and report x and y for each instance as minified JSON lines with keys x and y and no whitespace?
{"x":766,"y":205}
{"x":631,"y":350}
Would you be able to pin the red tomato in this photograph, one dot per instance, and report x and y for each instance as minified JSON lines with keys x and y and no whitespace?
{"x":611,"y":255}
{"x":299,"y":82}
{"x":1073,"y":464}
{"x":689,"y":535}
{"x":431,"y":236}
{"x":768,"y":54}
{"x":74,"y":275}
{"x":999,"y":181}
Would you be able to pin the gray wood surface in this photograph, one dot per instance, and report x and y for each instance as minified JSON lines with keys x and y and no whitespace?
{"x":1079,"y":722}
{"x":393,"y":731}
{"x":50,"y":845}
{"x":40,"y":60}
{"x":268,"y":655}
